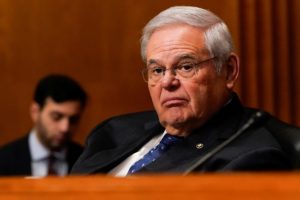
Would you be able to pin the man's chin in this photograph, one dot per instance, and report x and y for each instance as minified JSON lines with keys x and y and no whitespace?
{"x":57,"y":146}
{"x":174,"y":122}
{"x":174,"y":117}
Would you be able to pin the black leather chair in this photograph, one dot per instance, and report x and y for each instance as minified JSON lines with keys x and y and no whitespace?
{"x":288,"y":137}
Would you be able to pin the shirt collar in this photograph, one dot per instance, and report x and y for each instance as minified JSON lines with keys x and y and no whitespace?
{"x":39,"y":152}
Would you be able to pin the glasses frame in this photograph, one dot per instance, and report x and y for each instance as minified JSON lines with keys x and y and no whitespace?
{"x":173,"y":69}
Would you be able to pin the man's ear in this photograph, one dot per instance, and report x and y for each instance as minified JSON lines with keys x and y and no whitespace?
{"x":34,"y":111}
{"x":232,"y":70}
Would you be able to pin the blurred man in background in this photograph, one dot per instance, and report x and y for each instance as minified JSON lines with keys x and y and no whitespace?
{"x":47,"y":149}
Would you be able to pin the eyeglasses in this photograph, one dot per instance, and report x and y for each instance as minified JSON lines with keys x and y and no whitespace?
{"x":185,"y":70}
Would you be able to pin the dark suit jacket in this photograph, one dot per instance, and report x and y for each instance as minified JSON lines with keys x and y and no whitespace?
{"x":117,"y":138}
{"x":15,"y":158}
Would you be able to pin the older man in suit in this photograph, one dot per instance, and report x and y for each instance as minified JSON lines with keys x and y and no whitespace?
{"x":199,"y":123}
{"x":48,"y":149}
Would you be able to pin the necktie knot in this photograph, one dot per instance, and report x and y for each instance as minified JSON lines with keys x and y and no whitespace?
{"x":169,"y":140}
{"x":166,"y":142}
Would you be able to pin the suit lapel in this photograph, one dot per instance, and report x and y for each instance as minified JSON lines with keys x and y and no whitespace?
{"x":23,"y":158}
{"x":182,"y":156}
{"x":108,"y":159}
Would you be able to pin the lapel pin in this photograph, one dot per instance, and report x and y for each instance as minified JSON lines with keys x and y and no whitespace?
{"x":199,"y":146}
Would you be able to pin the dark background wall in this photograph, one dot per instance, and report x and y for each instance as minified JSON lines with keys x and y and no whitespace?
{"x":97,"y":43}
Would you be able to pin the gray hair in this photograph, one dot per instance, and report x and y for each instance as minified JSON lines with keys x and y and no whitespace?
{"x":217,"y":37}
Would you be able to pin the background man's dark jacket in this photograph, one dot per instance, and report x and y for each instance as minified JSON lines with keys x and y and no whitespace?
{"x":15,"y":158}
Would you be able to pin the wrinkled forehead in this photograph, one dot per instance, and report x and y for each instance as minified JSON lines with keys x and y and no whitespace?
{"x":175,"y":41}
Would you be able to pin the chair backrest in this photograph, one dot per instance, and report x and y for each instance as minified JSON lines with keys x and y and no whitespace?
{"x":288,"y":137}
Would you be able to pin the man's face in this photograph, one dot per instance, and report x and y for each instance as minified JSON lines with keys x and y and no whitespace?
{"x":184,"y":104}
{"x":55,"y":122}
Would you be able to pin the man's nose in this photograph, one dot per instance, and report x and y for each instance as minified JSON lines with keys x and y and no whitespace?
{"x":169,"y":79}
{"x":64,"y":125}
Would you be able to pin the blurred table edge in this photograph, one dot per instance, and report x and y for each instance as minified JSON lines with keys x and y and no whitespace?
{"x":204,"y":186}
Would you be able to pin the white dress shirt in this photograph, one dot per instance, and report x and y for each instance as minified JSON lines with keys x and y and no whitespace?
{"x":40,"y":155}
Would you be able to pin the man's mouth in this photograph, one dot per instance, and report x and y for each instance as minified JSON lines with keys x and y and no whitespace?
{"x":173,"y":101}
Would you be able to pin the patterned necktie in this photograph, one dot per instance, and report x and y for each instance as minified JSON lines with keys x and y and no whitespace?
{"x":166,"y":142}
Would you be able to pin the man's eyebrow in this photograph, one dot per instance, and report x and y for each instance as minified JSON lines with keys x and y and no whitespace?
{"x":177,"y":58}
{"x":152,"y":61}
{"x":185,"y":56}
{"x":56,"y":113}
